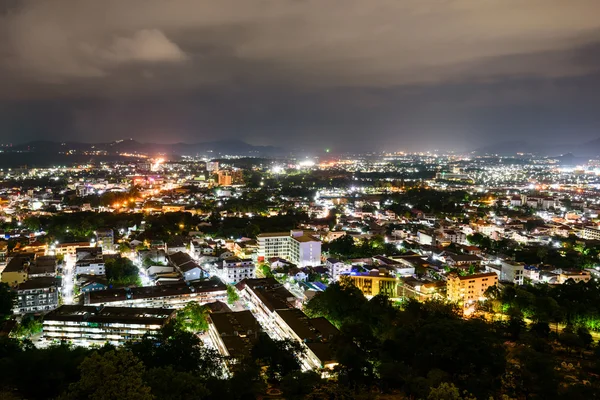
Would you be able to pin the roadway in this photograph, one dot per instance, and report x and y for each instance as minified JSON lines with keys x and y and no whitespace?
{"x":68,"y":278}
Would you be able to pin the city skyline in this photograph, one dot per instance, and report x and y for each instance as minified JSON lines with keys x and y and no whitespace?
{"x":372,"y":75}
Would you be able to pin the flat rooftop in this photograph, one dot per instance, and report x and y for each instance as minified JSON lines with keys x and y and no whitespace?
{"x":125,"y":315}
{"x":150,"y":292}
{"x":39,"y":283}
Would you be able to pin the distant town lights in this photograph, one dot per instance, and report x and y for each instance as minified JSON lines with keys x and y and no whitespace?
{"x":306,"y":163}
{"x":277,"y":169}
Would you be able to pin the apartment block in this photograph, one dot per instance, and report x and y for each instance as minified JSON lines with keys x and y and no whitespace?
{"x":297,"y":247}
{"x":471,"y":288}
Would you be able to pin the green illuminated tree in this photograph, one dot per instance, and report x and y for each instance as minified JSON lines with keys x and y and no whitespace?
{"x":232,"y":294}
{"x":193,"y":317}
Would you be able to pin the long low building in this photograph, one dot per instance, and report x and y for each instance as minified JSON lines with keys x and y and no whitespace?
{"x":314,"y":334}
{"x":85,"y":325}
{"x":275,"y":309}
{"x":175,"y":295}
{"x":263,"y":297}
{"x":233,"y":334}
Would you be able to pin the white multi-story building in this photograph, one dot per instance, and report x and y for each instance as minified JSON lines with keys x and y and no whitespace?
{"x":296,"y":247}
{"x":235,"y":269}
{"x":90,"y":267}
{"x":337,"y":268}
{"x":512,"y":272}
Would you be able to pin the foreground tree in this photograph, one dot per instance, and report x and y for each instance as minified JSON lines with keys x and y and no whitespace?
{"x":447,"y":391}
{"x":193,"y":317}
{"x":115,"y":375}
{"x":7,"y":301}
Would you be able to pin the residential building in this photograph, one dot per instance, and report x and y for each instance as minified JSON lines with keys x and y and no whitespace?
{"x":410,"y":287}
{"x":43,"y":266}
{"x":17,"y":268}
{"x":188,"y":268}
{"x":69,"y":248}
{"x":234,"y":269}
{"x":106,"y":239}
{"x":512,"y":272}
{"x":264,"y":296}
{"x":86,"y":325}
{"x":37,"y":295}
{"x":94,"y":266}
{"x":590,"y":233}
{"x":426,"y":238}
{"x":172,"y":295}
{"x":337,"y":268}
{"x":297,"y":247}
{"x":224,"y":178}
{"x":376,"y":281}
{"x":394,"y":266}
{"x":233,"y":334}
{"x":575,"y":276}
{"x":313,"y":334}
{"x":532,"y":273}
{"x":470,"y":288}
{"x":175,"y":244}
{"x":92,"y":283}
{"x":3,"y":253}
{"x":453,"y":236}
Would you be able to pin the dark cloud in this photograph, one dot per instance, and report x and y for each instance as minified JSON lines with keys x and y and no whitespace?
{"x":435,"y":73}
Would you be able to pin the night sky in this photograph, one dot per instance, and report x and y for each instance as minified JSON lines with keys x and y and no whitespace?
{"x":344,"y":74}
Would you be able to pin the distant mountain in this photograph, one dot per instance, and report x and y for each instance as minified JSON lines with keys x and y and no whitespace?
{"x":574,"y":151}
{"x":509,"y":148}
{"x":221,"y":147}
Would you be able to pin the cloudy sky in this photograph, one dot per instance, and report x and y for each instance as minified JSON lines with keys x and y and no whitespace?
{"x":345,"y":74}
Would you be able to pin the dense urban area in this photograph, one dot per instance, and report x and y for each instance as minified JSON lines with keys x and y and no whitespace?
{"x":377,"y":276}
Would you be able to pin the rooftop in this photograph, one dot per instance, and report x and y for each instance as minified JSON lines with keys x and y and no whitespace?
{"x":38,"y":283}
{"x":477,"y":276}
{"x":149,"y":292}
{"x":127,"y":315}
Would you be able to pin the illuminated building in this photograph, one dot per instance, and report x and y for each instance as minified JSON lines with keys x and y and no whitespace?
{"x":590,"y":233}
{"x":337,"y":268}
{"x":313,"y":334}
{"x":16,"y":270}
{"x":212,"y":166}
{"x":69,"y":248}
{"x":377,"y":281}
{"x":85,"y":325}
{"x":296,"y":247}
{"x":224,"y":178}
{"x":410,"y":287}
{"x":105,"y":239}
{"x":274,"y":308}
{"x":233,"y":333}
{"x":468,"y":289}
{"x":3,"y":253}
{"x":37,"y":295}
{"x":576,"y":276}
{"x":174,"y":295}
{"x":235,"y":269}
